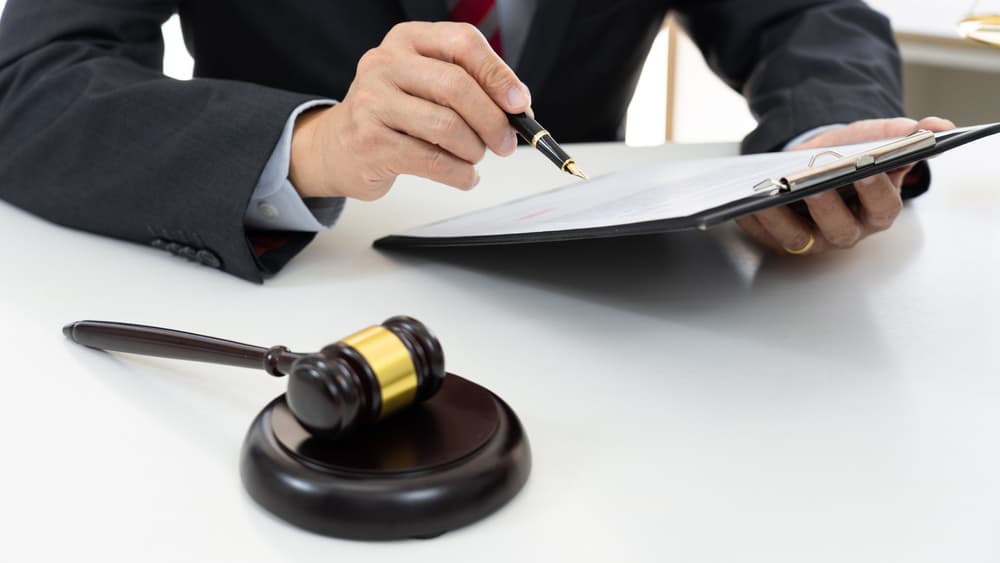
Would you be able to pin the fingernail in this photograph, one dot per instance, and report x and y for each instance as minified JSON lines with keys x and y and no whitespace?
{"x":475,"y":181}
{"x":509,"y":144}
{"x":518,"y":97}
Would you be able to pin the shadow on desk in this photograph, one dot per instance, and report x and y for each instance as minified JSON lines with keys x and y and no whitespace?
{"x":680,"y":270}
{"x":205,"y":404}
{"x":718,"y":281}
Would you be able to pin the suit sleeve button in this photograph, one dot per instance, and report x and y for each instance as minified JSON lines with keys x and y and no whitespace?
{"x":208,"y":258}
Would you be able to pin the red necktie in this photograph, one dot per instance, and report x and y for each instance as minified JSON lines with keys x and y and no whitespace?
{"x":482,"y":14}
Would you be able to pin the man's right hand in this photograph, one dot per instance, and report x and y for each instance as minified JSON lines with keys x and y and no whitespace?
{"x":428,"y":101}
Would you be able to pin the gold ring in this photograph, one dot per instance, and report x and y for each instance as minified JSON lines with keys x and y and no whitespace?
{"x":804,"y":249}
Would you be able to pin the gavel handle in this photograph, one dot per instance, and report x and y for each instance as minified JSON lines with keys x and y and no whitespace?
{"x":166,"y":343}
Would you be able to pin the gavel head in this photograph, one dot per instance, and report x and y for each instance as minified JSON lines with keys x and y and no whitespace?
{"x":365,"y":377}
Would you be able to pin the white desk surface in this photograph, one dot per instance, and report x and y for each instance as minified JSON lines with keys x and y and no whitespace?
{"x":685,"y":400}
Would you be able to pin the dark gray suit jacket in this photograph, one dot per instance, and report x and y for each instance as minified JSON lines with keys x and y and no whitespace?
{"x":94,"y":137}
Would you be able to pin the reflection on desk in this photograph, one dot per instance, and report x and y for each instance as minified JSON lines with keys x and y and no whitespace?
{"x":687,"y":398}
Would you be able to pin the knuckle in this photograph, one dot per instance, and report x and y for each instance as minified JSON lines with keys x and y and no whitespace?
{"x":363,"y":98}
{"x":496,"y":76}
{"x":845,"y":239}
{"x":399,"y":29}
{"x":373,"y":59}
{"x":454,"y":82}
{"x":902,"y":122}
{"x":444,"y":123}
{"x":437,"y":162}
{"x":367,"y":138}
{"x":883,"y":219}
{"x":467,"y":36}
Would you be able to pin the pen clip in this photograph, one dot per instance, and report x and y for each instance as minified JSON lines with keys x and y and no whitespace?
{"x":843,"y":165}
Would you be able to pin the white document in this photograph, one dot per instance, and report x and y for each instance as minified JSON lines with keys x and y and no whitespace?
{"x":654,"y":192}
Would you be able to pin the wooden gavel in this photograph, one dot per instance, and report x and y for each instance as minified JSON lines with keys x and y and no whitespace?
{"x":346,"y":385}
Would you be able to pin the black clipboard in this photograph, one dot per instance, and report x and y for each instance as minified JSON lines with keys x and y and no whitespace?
{"x":828,"y":170}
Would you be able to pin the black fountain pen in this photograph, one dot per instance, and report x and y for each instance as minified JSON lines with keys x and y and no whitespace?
{"x":539,"y":138}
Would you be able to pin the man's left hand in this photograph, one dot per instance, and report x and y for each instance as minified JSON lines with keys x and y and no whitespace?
{"x":835,"y":223}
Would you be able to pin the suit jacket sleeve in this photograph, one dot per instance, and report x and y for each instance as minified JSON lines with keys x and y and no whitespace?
{"x":799,"y":63}
{"x":96,"y":138}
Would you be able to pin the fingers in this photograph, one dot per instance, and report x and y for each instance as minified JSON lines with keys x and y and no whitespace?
{"x":428,"y":101}
{"x":835,"y":220}
{"x":752,"y":227}
{"x":463,"y":45}
{"x":436,"y":124}
{"x":879,"y":195}
{"x":449,"y":85}
{"x":880,"y":202}
{"x":835,"y":223}
{"x":861,"y":131}
{"x":420,"y":158}
{"x":787,"y":230}
{"x":928,"y":123}
{"x":901,"y":126}
{"x":896,"y":176}
{"x":875,"y":129}
{"x":935,"y":124}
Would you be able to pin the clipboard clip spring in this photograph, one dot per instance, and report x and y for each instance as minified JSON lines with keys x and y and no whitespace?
{"x":843,"y":165}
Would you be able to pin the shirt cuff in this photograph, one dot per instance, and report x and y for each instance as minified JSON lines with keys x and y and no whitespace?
{"x":275,"y":205}
{"x":798,"y":140}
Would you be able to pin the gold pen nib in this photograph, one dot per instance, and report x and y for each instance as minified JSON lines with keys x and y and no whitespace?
{"x":574,"y":170}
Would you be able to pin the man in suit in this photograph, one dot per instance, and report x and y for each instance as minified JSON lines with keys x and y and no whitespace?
{"x":239,"y":167}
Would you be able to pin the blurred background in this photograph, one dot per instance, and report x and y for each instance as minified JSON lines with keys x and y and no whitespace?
{"x":944,"y":74}
{"x":678,"y":98}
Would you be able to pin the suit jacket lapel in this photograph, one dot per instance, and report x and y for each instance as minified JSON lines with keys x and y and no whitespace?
{"x":548,"y":28}
{"x":425,"y":10}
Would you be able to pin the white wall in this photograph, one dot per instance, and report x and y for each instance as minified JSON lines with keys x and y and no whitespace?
{"x":939,"y":79}
{"x":176,"y":61}
{"x":707,"y":110}
{"x":933,"y":18}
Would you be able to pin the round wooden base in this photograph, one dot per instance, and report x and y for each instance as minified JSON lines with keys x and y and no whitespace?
{"x":432,"y":468}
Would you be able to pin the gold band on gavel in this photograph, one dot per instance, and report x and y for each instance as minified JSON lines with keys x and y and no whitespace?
{"x":391,"y":362}
{"x":537,"y":137}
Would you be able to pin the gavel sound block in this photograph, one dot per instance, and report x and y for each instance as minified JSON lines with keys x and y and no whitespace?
{"x":377,"y":467}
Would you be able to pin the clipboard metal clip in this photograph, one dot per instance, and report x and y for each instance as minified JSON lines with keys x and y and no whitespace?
{"x":843,"y":165}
